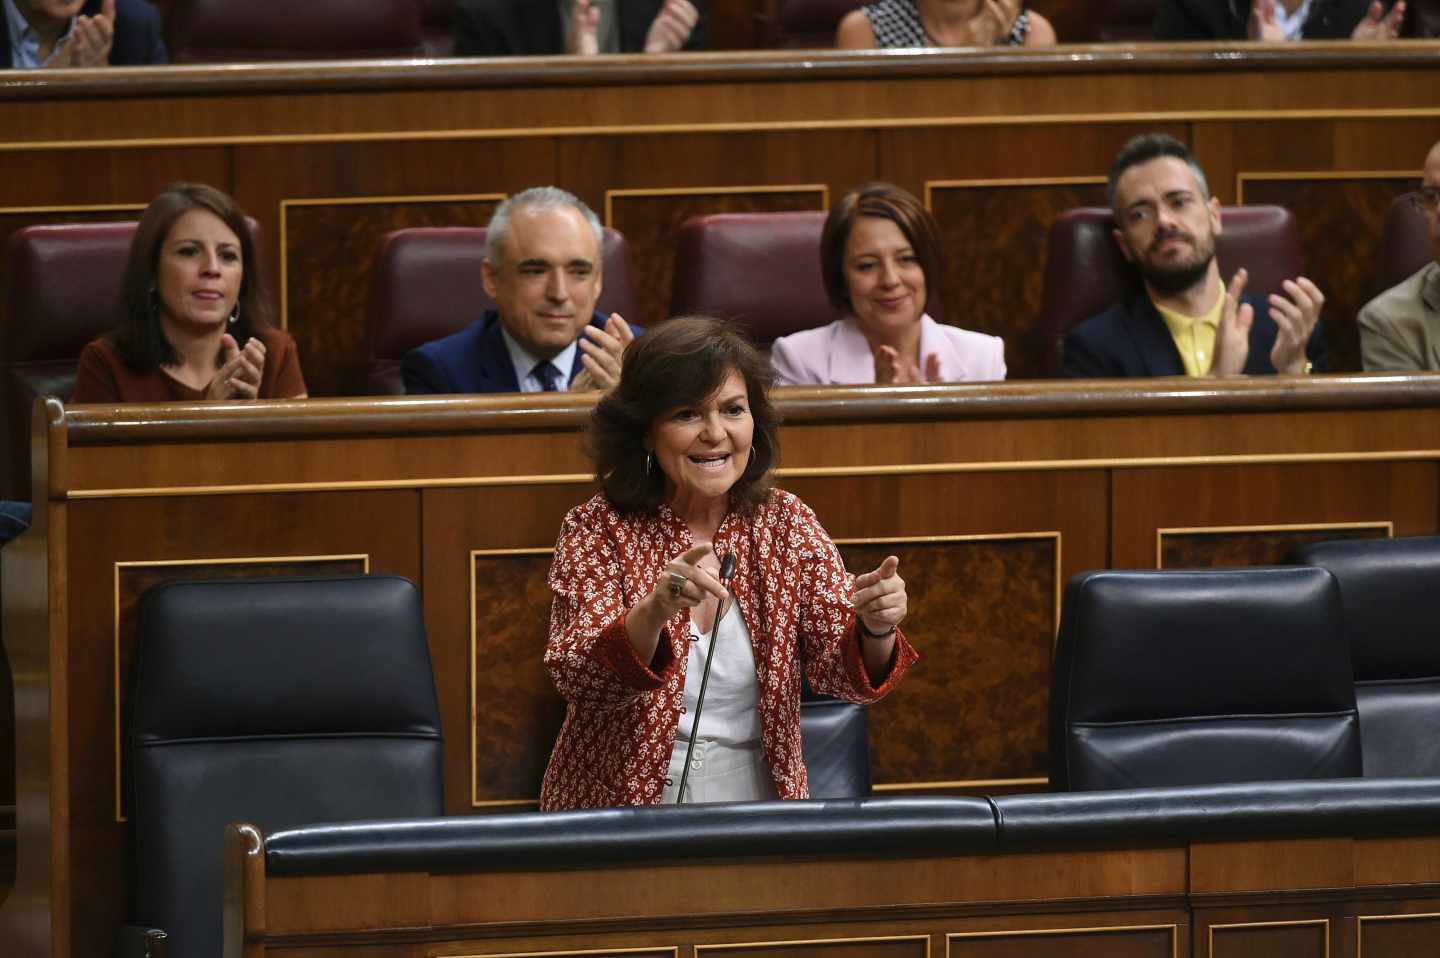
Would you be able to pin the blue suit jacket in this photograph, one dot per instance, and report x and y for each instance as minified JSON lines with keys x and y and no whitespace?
{"x":137,"y":40}
{"x":473,"y":360}
{"x":1130,"y":339}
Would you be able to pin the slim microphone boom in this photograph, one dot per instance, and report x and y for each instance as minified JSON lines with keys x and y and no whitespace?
{"x":727,"y":572}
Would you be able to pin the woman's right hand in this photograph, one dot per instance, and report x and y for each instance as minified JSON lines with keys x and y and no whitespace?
{"x":668,"y":595}
{"x":240,"y":374}
{"x":891,"y":370}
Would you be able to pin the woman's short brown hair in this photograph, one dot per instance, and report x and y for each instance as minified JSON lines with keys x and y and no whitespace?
{"x":886,"y":201}
{"x":139,"y":339}
{"x":681,"y":362}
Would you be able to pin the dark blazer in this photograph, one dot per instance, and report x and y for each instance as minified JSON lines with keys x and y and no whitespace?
{"x":137,"y":40}
{"x":507,"y":28}
{"x":1230,"y":19}
{"x":1130,"y":339}
{"x":473,"y":360}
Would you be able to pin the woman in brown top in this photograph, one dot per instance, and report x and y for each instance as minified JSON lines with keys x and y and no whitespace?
{"x":193,"y":318}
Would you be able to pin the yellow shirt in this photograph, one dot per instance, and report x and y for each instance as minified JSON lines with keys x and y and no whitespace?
{"x":1195,"y":335}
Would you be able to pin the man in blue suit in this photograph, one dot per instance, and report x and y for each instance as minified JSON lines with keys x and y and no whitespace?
{"x":1185,"y":320}
{"x":79,"y":33}
{"x":542,"y":268}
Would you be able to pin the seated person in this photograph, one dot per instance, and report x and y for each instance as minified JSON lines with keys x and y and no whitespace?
{"x":684,"y":449}
{"x":1278,"y":20}
{"x":1183,"y":320}
{"x":194,"y":320}
{"x":889,"y":24}
{"x":880,"y":256}
{"x":1400,"y":328}
{"x":501,"y":28}
{"x":80,"y":33}
{"x":542,"y":267}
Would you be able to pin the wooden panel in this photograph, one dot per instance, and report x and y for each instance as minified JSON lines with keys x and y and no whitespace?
{"x":1158,"y":941}
{"x":651,"y":221}
{"x":1246,"y":866}
{"x":995,"y":250}
{"x":1345,"y":272}
{"x":1398,"y":936}
{"x":1280,"y":939}
{"x":134,"y":579}
{"x":325,"y":302}
{"x":69,"y":177}
{"x":1262,"y":545}
{"x":833,"y":948}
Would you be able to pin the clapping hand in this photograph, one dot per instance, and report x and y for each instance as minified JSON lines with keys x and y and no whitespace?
{"x":891,"y":370}
{"x":1263,"y":23}
{"x":240,"y":373}
{"x":90,"y":40}
{"x":1295,"y":315}
{"x":671,"y":29}
{"x":1379,"y":25}
{"x":600,"y":354}
{"x":584,"y":29}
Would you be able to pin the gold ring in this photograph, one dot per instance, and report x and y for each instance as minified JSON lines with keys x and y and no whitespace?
{"x":677,"y":584}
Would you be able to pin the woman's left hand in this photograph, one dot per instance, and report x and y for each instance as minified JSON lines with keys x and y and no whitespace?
{"x":879,"y":598}
{"x":891,"y":370}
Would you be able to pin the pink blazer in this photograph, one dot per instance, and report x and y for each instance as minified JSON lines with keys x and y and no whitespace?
{"x":839,"y":354}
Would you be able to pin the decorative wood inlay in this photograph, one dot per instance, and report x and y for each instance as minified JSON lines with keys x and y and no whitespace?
{"x":1397,"y":936}
{"x":651,"y":220}
{"x":1345,"y":272}
{"x":917,"y":946}
{"x":995,"y":235}
{"x":1257,"y":545}
{"x":985,"y":660}
{"x":327,"y":256}
{"x":133,"y":579}
{"x":1149,"y":941}
{"x":1274,"y":939}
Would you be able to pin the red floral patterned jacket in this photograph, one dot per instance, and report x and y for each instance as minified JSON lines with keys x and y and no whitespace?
{"x":622,"y":714}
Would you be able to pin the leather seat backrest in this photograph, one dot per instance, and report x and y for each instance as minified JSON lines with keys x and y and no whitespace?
{"x":222,"y":31}
{"x":1390,"y":605}
{"x":760,"y":270}
{"x":1181,"y":677}
{"x":277,"y":701}
{"x":427,"y":285}
{"x":1085,"y":272}
{"x":1404,"y":246}
{"x":835,"y":738}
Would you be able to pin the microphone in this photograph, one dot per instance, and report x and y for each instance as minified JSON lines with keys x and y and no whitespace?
{"x":727,"y":572}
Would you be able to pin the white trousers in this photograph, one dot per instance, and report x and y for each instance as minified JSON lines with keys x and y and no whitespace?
{"x":719,"y":773}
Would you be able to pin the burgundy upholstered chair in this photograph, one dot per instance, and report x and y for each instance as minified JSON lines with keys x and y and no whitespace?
{"x":427,"y":285}
{"x":223,"y":31}
{"x":1086,"y":274}
{"x":1405,"y":246}
{"x":761,"y":270}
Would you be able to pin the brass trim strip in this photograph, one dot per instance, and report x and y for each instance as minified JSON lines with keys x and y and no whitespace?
{"x":931,"y":186}
{"x":1360,"y":926}
{"x":364,"y":557}
{"x":1386,"y":524}
{"x":1318,"y":175}
{"x":673,"y":951}
{"x":792,"y":943}
{"x":761,"y":188}
{"x":777,"y":126}
{"x":417,"y":199}
{"x":804,"y":472}
{"x":83,"y":208}
{"x":961,"y":783}
{"x":1210,"y":930}
{"x":1174,"y":930}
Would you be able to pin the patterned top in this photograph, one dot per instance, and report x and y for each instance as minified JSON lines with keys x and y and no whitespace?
{"x":897,"y":23}
{"x":622,"y":714}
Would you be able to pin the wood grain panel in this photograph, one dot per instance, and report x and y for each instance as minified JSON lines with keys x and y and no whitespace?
{"x":1345,"y":272}
{"x":1147,"y":500}
{"x":651,"y":221}
{"x":1398,"y":936}
{"x":329,"y":256}
{"x":983,"y":616}
{"x":517,"y":710}
{"x":1145,"y":942}
{"x":133,"y":580}
{"x":835,"y":948}
{"x":62,"y":177}
{"x":1300,"y":939}
{"x":1205,"y":549}
{"x":994,"y":258}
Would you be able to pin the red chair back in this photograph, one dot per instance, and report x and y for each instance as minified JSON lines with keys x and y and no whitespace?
{"x":223,"y":31}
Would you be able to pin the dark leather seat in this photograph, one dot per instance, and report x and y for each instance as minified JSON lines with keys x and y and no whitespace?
{"x":1198,"y":677}
{"x":283,"y":701}
{"x":427,"y":285}
{"x":222,"y":31}
{"x":1085,"y":273}
{"x":1405,"y":244}
{"x":1390,"y":604}
{"x":835,"y":737}
{"x":760,"y":270}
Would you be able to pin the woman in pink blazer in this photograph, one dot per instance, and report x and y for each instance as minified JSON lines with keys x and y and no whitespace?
{"x":880,"y":254}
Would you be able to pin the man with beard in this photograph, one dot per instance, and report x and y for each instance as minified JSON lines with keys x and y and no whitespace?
{"x":1400,"y":328}
{"x":1184,"y":320}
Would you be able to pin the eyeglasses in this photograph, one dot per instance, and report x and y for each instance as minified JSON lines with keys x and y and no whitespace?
{"x":1426,"y":199}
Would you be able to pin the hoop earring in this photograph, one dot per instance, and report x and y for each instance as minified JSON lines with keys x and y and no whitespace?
{"x":650,"y":463}
{"x":235,"y":313}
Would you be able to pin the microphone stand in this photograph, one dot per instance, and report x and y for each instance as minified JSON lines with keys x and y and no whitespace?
{"x":727,"y":572}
